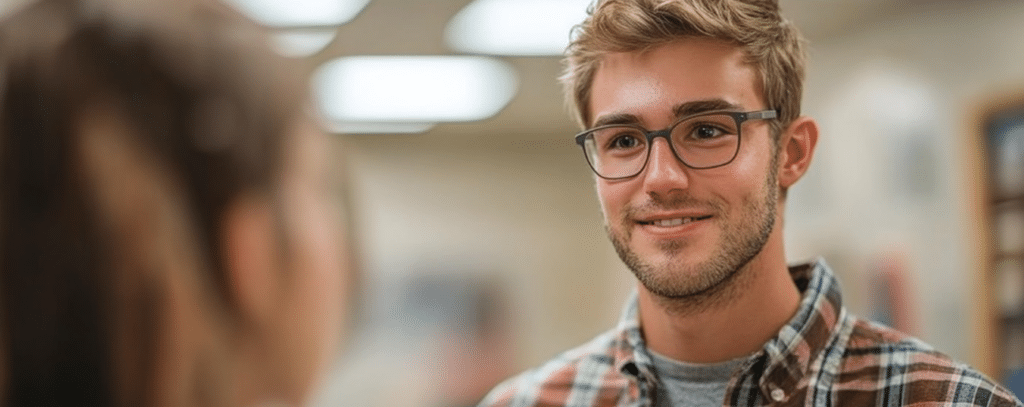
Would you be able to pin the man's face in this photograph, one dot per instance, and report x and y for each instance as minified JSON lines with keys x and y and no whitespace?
{"x":682,"y":231}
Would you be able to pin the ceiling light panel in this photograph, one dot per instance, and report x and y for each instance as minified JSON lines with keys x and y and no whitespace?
{"x":413,"y":89}
{"x":300,"y":13}
{"x":298,"y":43}
{"x":379,"y":128}
{"x":515,"y":27}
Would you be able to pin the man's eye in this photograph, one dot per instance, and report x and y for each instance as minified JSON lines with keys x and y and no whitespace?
{"x":624,"y":142}
{"x":706,"y":132}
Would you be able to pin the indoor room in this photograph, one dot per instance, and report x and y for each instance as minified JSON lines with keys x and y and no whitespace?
{"x":482,"y":248}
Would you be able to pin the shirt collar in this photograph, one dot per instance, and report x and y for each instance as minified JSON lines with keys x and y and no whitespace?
{"x":788,"y":356}
{"x":631,"y":357}
{"x":810,"y":332}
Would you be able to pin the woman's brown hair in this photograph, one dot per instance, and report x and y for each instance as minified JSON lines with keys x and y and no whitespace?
{"x":125,"y":133}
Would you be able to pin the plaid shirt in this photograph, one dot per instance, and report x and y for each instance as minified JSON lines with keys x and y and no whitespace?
{"x":823,"y":357}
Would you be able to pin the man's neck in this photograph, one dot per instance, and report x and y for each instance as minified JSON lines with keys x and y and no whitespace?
{"x":765,"y":298}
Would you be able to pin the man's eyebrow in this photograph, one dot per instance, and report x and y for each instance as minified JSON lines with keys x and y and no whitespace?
{"x":616,"y":118}
{"x":680,"y":110}
{"x":701,"y":106}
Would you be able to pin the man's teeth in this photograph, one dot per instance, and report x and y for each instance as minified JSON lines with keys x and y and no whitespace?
{"x":672,"y":222}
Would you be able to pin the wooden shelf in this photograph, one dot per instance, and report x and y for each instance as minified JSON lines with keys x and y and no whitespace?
{"x":1009,"y":256}
{"x":1007,"y":199}
{"x":994,"y":332}
{"x":1012,"y":319}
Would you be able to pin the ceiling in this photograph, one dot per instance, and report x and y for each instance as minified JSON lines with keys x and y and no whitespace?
{"x":537,"y":114}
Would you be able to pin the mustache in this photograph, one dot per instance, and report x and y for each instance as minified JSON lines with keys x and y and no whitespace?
{"x":675,"y":202}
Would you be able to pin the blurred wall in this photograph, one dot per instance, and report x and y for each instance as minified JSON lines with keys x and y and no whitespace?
{"x":524,"y":212}
{"x":898,"y":99}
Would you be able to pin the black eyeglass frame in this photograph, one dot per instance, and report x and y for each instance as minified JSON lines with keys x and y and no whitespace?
{"x":739,"y":117}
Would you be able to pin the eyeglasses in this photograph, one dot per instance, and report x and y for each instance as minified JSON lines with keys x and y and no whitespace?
{"x":701,"y":141}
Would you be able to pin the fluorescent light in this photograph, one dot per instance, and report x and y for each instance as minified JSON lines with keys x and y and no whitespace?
{"x":515,"y":27}
{"x":379,"y":128}
{"x":413,"y":89}
{"x":300,"y":43}
{"x":300,"y":13}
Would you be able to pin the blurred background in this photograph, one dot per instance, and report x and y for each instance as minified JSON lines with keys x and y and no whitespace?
{"x":481,"y":238}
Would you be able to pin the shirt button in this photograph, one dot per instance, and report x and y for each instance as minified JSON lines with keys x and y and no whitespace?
{"x":778,"y":394}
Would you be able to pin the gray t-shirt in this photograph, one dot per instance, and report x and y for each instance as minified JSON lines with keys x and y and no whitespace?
{"x":692,"y":384}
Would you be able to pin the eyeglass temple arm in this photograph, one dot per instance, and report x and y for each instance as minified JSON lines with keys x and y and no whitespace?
{"x":764,"y":114}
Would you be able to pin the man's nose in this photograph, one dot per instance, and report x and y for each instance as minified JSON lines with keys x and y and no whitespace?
{"x":664,"y":172}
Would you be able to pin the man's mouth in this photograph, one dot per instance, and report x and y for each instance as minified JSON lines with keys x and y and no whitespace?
{"x":673,"y":221}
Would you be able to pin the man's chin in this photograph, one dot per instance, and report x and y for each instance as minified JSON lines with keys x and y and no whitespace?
{"x":666,"y":251}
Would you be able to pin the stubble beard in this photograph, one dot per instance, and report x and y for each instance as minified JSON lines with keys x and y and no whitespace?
{"x":691,"y":288}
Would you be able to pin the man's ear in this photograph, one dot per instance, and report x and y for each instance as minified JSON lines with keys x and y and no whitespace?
{"x":797,"y":149}
{"x":251,"y":257}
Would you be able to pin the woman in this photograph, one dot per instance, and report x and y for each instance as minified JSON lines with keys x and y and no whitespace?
{"x":166,"y":232}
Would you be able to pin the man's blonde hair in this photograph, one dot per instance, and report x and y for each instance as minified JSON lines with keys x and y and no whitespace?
{"x":771,"y":43}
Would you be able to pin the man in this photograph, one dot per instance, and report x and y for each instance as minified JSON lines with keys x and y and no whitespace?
{"x":695,"y":136}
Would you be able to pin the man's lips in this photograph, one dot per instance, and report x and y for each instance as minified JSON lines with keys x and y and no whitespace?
{"x":669,"y":221}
